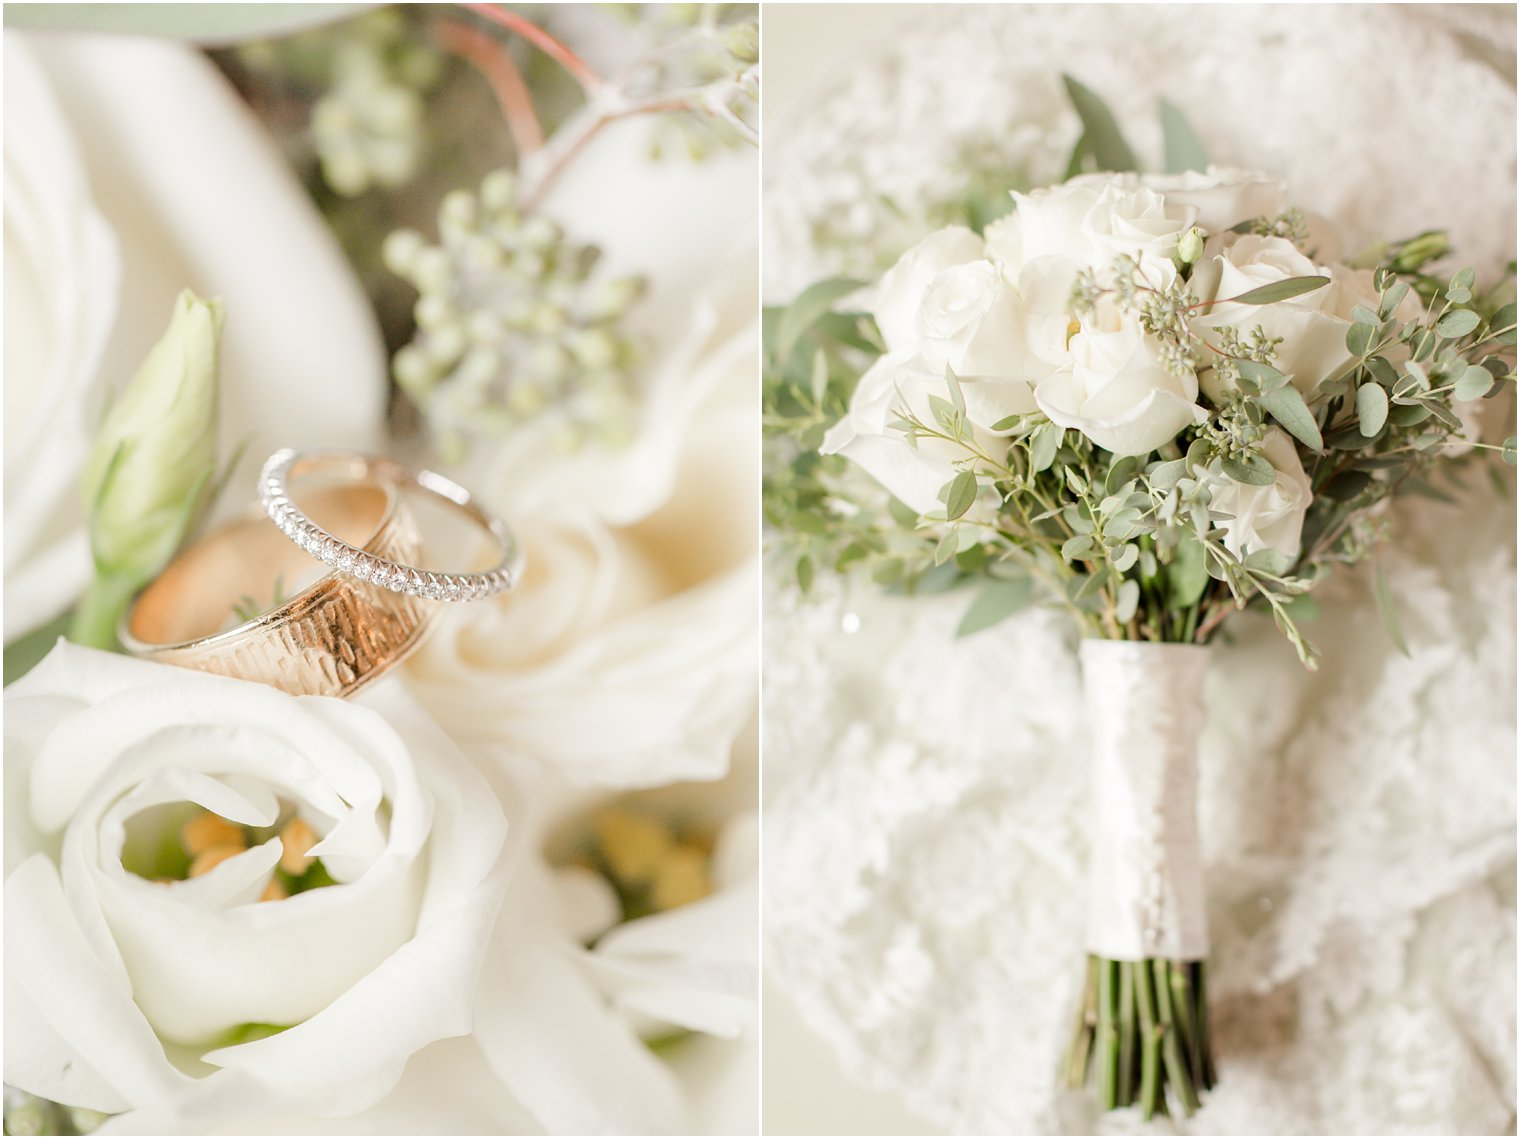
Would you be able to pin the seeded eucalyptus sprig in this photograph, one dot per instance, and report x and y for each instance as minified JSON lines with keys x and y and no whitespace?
{"x":513,"y":324}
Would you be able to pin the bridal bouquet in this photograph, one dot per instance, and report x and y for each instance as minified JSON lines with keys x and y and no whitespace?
{"x":1155,"y":401}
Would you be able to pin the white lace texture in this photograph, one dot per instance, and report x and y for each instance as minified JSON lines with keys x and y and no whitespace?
{"x":927,"y":834}
{"x":1144,"y":706}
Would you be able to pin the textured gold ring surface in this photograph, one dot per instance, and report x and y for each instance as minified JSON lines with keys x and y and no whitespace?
{"x":330,"y":639}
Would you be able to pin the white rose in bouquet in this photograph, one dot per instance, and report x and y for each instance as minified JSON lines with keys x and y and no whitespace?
{"x":1118,"y":391}
{"x":1313,"y":347}
{"x":1089,"y":221}
{"x":1223,"y":197}
{"x":223,"y":901}
{"x":626,"y":656}
{"x":913,"y":471}
{"x":899,"y":296}
{"x":1269,"y":517}
{"x":132,"y":172}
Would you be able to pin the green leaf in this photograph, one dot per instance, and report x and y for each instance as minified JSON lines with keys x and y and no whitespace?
{"x":1100,"y":131}
{"x":1372,"y":409}
{"x":1044,"y":445}
{"x":1387,"y":610}
{"x":1128,"y":601}
{"x":25,"y":652}
{"x":1289,"y":409}
{"x":806,"y":310}
{"x":953,"y":385}
{"x":1080,"y":546}
{"x":1502,"y":326}
{"x":1127,"y":556}
{"x":1457,"y":323}
{"x":1473,"y":383}
{"x":996,"y":602}
{"x":1264,"y":376}
{"x":1183,"y":149}
{"x":1167,"y":475}
{"x":1359,"y":338}
{"x":1509,"y":450}
{"x":203,"y":23}
{"x":1253,"y":470}
{"x":1274,"y":562}
{"x":1283,"y":290}
{"x":961,"y":495}
{"x":1187,"y":574}
{"x":804,"y":573}
{"x":1392,"y":299}
{"x":903,"y":514}
{"x":820,"y":379}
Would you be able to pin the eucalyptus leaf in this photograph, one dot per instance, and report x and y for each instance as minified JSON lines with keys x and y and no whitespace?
{"x":1359,"y":338}
{"x":1183,"y":150}
{"x":961,"y":495}
{"x":1457,"y":323}
{"x":1101,"y":136}
{"x":1167,"y":475}
{"x":1187,"y":574}
{"x":1283,"y":290}
{"x":996,"y":602}
{"x":1372,"y":409}
{"x":1474,"y":383}
{"x":1264,"y":376}
{"x":1077,"y":547}
{"x":1128,"y":601}
{"x":1387,"y":610}
{"x":1253,"y":470}
{"x":1044,"y":445}
{"x":1288,"y":408}
{"x":806,"y":310}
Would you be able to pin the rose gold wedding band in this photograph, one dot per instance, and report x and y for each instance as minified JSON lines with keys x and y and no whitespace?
{"x":330,"y":639}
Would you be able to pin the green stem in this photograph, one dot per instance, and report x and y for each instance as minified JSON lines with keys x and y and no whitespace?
{"x":1150,"y":1042}
{"x":100,"y":611}
{"x":1108,"y":1040}
{"x":1087,"y":1022}
{"x":1127,"y":971}
{"x":1185,"y":1014}
{"x":1171,"y":1049}
{"x":1205,"y":1036}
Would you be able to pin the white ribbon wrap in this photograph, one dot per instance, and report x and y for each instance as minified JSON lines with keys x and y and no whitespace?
{"x":1145,"y":714}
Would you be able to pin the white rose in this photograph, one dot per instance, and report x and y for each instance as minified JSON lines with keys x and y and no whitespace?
{"x":108,"y":974}
{"x":912,"y":471}
{"x":1223,"y":197}
{"x":626,"y":655}
{"x":1264,"y":517}
{"x":1049,"y":222}
{"x":900,"y":294}
{"x":145,"y":138}
{"x":972,"y":323}
{"x":1136,"y":221}
{"x":1116,"y":391}
{"x":1089,"y":221}
{"x":1313,"y":347}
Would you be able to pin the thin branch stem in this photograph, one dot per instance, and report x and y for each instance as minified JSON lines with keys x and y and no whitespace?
{"x":577,"y":67}
{"x":496,"y":64}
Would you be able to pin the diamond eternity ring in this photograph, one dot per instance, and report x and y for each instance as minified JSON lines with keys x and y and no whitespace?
{"x":348,"y":559}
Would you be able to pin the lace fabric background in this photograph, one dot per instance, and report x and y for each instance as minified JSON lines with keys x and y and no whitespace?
{"x":925,"y":837}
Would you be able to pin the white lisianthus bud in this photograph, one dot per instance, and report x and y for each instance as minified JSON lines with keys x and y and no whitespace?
{"x":1190,"y":246}
{"x":156,"y":449}
{"x":152,"y":461}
